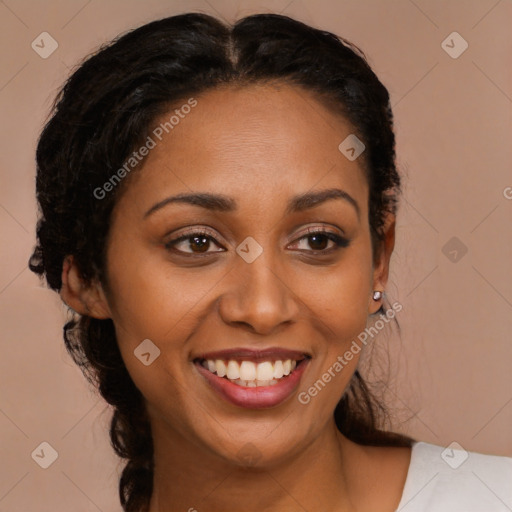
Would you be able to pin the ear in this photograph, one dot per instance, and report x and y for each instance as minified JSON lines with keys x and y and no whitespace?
{"x":381,"y":261}
{"x":85,"y":299}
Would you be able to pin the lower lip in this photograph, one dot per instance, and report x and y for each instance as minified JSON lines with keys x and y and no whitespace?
{"x":258,"y":397}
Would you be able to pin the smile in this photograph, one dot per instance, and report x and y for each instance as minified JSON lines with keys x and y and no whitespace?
{"x":250,"y":374}
{"x":254,"y":379}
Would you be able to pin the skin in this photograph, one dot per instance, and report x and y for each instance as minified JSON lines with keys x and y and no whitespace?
{"x":260,"y":145}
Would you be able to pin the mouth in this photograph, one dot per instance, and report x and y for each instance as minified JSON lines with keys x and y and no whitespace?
{"x":254,"y":379}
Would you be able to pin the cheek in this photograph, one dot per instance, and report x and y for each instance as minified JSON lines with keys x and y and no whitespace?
{"x":152,"y":299}
{"x":149,"y":297}
{"x":339,"y":298}
{"x":340,"y":309}
{"x":151,"y":303}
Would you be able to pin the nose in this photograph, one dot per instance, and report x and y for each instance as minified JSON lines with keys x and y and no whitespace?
{"x":259,"y":297}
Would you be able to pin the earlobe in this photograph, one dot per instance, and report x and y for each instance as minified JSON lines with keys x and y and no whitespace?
{"x":85,"y":299}
{"x":381,"y":265}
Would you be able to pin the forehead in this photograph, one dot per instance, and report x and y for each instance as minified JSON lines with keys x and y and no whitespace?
{"x":243,"y":141}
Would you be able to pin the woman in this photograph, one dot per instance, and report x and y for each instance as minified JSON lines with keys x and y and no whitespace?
{"x":218,"y":209}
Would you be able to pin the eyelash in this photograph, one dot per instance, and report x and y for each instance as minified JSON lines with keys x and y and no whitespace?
{"x":339,"y":241}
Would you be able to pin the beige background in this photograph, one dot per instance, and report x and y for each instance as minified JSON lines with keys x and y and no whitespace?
{"x":450,"y":371}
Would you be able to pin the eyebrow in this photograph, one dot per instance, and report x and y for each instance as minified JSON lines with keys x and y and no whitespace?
{"x":222,"y":203}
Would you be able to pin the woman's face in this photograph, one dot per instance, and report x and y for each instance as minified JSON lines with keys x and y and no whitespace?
{"x":235,"y":268}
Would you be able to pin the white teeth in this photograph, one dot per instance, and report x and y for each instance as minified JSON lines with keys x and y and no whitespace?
{"x":250,"y":374}
{"x":254,"y":383}
{"x":278,"y":369}
{"x":220,"y":367}
{"x":265,"y":371}
{"x":233,"y":370}
{"x":247,"y":370}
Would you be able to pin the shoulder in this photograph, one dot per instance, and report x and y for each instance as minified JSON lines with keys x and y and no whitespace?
{"x":447,"y":479}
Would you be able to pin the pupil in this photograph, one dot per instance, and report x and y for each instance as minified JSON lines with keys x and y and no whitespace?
{"x":315,"y":240}
{"x":201,"y":243}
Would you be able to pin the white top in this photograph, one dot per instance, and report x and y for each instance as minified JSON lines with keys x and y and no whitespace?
{"x":454,"y":480}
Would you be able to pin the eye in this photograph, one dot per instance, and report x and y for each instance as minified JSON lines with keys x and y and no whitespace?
{"x":198,"y":242}
{"x":318,"y":239}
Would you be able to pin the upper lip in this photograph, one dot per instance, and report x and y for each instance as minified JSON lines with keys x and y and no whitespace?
{"x":250,"y":354}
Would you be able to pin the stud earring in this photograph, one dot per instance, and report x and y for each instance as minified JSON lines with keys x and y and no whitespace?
{"x":377,"y":295}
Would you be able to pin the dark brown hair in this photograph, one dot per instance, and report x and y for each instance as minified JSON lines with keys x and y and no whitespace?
{"x":105,"y":110}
